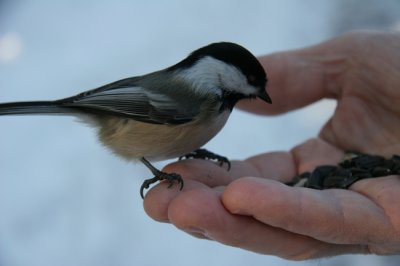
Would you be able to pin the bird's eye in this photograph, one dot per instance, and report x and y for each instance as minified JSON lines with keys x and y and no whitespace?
{"x":251,"y":79}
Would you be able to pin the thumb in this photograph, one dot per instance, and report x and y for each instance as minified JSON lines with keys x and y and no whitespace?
{"x":300,"y":77}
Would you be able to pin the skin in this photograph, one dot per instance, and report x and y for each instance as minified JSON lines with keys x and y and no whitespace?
{"x":249,"y":207}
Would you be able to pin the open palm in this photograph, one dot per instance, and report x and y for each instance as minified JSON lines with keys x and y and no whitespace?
{"x":250,"y":208}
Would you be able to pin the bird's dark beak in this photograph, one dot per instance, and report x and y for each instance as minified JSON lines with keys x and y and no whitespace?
{"x":263,"y":95}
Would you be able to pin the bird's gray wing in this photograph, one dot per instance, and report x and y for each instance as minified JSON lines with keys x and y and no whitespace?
{"x":137,"y":103}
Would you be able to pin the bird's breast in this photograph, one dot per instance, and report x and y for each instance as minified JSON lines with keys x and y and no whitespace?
{"x":132,"y":139}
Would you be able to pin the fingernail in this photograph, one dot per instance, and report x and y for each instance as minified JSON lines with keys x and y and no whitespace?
{"x":195,"y":230}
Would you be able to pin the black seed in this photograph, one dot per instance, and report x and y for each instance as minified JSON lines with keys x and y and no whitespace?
{"x":318,"y":176}
{"x":368,"y":161}
{"x":380,"y":171}
{"x":298,"y":178}
{"x":356,"y":166}
{"x":360,"y":173}
{"x":339,"y":181}
{"x":343,"y":172}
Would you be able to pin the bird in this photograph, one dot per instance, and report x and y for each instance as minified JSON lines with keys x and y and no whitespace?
{"x":168,"y":113}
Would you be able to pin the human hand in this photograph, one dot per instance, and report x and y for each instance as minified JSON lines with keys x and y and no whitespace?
{"x":361,"y":71}
{"x":250,"y":208}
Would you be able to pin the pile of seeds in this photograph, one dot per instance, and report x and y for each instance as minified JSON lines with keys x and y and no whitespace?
{"x":354,"y":167}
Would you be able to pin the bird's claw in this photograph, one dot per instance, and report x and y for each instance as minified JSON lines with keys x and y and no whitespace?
{"x":170,"y":177}
{"x":207,"y":155}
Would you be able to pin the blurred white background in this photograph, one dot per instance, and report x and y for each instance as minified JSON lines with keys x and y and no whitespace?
{"x":66,"y":200}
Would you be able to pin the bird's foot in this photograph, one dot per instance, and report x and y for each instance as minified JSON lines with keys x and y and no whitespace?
{"x":160,"y":176}
{"x":207,"y":155}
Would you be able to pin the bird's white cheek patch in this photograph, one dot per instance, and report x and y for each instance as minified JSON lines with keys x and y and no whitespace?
{"x":209,"y":75}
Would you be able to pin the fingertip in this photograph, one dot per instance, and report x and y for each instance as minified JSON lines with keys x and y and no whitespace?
{"x":157,"y":199}
{"x":236,"y":193}
{"x":277,"y":165}
{"x":315,"y":152}
{"x":265,"y":200}
{"x":203,"y":171}
{"x":243,"y":195}
{"x":191,"y":208}
{"x":197,"y":174}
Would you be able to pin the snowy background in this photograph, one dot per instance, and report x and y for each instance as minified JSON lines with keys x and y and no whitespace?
{"x":66,"y":200}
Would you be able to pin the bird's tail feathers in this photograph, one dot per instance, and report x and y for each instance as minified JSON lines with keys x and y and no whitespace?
{"x":35,"y":107}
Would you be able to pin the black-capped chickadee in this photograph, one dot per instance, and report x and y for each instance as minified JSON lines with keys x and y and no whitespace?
{"x":168,"y":113}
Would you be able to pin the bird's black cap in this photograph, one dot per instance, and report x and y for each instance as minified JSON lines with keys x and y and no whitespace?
{"x":233,"y":54}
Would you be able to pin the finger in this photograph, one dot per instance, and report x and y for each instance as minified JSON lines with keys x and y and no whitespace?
{"x":214,"y":175}
{"x":333,"y":216}
{"x":158,"y":198}
{"x":200,"y":211}
{"x":196,"y":173}
{"x":201,"y":173}
{"x":208,"y":172}
{"x":274,"y":165}
{"x":315,"y":152}
{"x":300,"y":77}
